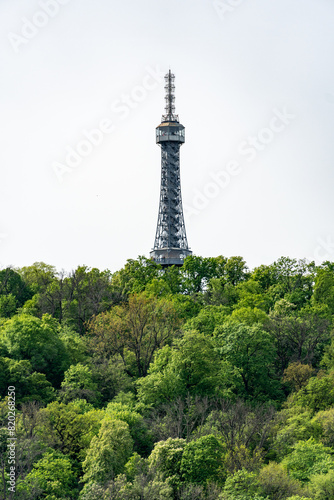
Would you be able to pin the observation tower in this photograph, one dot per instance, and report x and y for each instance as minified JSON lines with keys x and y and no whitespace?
{"x":170,"y":245}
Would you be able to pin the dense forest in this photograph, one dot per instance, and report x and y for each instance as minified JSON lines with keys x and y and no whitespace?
{"x":209,"y":381}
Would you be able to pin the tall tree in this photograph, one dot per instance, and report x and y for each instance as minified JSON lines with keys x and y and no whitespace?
{"x":108,"y":452}
{"x":141,"y":327}
{"x":87,"y":292}
{"x":13,"y":292}
{"x":134,"y":277}
{"x":37,"y":340}
{"x":251,"y":351}
{"x":298,"y":338}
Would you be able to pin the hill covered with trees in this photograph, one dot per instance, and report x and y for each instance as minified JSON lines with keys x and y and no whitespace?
{"x":210,"y":381}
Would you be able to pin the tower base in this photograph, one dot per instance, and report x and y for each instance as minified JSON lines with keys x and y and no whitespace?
{"x":170,"y":256}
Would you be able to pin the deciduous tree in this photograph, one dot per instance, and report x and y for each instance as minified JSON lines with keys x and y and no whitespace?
{"x":37,"y":340}
{"x":142,"y":326}
{"x":251,"y":351}
{"x":109,"y":451}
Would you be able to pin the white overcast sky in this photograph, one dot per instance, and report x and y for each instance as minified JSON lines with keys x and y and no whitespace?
{"x":237,"y":66}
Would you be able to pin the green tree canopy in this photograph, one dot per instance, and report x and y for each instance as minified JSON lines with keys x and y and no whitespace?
{"x":137,"y":426}
{"x":12,"y":283}
{"x":308,"y":458}
{"x":202,"y":460}
{"x":166,"y":459}
{"x":192,"y":367}
{"x":37,"y":340}
{"x":109,"y":451}
{"x":251,"y":351}
{"x":78,"y":383}
{"x":318,"y":394}
{"x":53,"y":476}
{"x":141,"y":327}
{"x":70,"y":427}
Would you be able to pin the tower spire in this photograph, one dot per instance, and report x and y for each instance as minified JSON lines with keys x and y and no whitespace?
{"x":170,"y":245}
{"x":170,"y":99}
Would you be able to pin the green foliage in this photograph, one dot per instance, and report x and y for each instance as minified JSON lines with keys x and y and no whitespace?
{"x":204,"y":352}
{"x":308,"y":458}
{"x":78,"y":384}
{"x":192,"y":366}
{"x":135,"y":276}
{"x":251,"y":294}
{"x":198,"y":365}
{"x":318,"y":394}
{"x":69,"y":428}
{"x":38,"y":276}
{"x":328,"y":358}
{"x":219,"y":292}
{"x":242,"y":485}
{"x":144,"y":487}
{"x":36,"y":340}
{"x":202,"y":460}
{"x":141,"y":327}
{"x":172,"y":278}
{"x":73,"y":299}
{"x":135,"y":465}
{"x":135,"y":421}
{"x":92,"y":491}
{"x":297,"y":375}
{"x":191,"y":491}
{"x":80,"y":296}
{"x":8,"y":305}
{"x":297,"y":338}
{"x":109,"y":451}
{"x":283,"y":308}
{"x":30,"y":307}
{"x":276,"y":483}
{"x":166,"y":459}
{"x":294,"y":281}
{"x":249,"y":316}
{"x":13,"y":292}
{"x":110,"y":376}
{"x":53,"y":476}
{"x":236,"y":270}
{"x":199,"y":270}
{"x":322,"y":486}
{"x":208,"y":318}
{"x":162,"y":382}
{"x":266,"y":276}
{"x":186,"y":307}
{"x":30,"y":385}
{"x":297,"y":497}
{"x":243,"y":429}
{"x":251,"y":351}
{"x":221,"y":285}
{"x":323,"y":427}
{"x":240,"y":456}
{"x":75,"y":345}
{"x":324,"y":288}
{"x":294,"y":424}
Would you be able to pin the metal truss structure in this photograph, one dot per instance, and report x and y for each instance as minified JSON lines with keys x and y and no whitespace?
{"x":171,"y":245}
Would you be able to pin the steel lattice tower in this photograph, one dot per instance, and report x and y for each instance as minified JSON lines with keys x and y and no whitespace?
{"x":170,"y":245}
